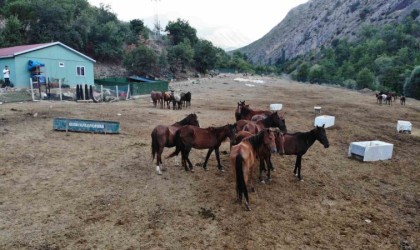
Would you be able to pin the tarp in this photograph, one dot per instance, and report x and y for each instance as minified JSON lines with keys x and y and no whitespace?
{"x":33,"y":64}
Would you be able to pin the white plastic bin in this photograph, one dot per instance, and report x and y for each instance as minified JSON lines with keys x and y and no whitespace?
{"x":326,"y":120}
{"x":371,"y":150}
{"x":404,"y":126}
{"x":276,"y":106}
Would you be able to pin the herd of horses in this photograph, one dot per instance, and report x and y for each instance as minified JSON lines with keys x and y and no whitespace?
{"x":178,"y":99}
{"x":256,"y":134}
{"x":388,"y":98}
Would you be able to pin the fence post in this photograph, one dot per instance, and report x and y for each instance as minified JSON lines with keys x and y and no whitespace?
{"x":32,"y":89}
{"x":128,"y":92}
{"x":102,"y":94}
{"x":59,"y":89}
{"x":116,"y":90}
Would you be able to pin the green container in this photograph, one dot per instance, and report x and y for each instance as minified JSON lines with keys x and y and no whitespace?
{"x":88,"y":126}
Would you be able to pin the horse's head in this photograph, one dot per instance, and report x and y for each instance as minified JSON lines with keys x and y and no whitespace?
{"x":269,"y":139}
{"x":321,"y":136}
{"x":231,"y":132}
{"x":192,"y":119}
{"x":278,"y":121}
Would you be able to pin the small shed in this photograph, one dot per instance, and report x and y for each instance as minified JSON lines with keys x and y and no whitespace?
{"x":61,"y":63}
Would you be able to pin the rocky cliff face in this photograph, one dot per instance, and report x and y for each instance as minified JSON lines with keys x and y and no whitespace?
{"x":318,"y":22}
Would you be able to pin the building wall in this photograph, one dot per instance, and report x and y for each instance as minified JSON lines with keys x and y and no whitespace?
{"x":10,"y":62}
{"x":52,"y":57}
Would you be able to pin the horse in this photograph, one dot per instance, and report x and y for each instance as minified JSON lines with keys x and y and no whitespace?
{"x":246,"y":113}
{"x":242,"y":159}
{"x":273,"y":120}
{"x":298,"y":144}
{"x":189,"y":137}
{"x":402,"y":100}
{"x":163,"y":136}
{"x":157,"y":98}
{"x":388,"y":99}
{"x":176,"y":100}
{"x":378,"y":98}
{"x":186,"y":99}
{"x":167,"y":99}
{"x":238,"y":110}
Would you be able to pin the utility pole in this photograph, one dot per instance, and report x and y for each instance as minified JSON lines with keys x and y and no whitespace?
{"x":156,"y":27}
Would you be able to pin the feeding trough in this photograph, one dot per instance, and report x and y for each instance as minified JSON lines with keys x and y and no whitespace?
{"x":276,"y":106}
{"x":317,"y":110}
{"x":404,"y":127}
{"x":326,"y":120}
{"x":371,"y":150}
{"x":88,"y":126}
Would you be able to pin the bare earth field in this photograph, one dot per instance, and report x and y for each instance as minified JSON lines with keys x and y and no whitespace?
{"x":92,"y":191}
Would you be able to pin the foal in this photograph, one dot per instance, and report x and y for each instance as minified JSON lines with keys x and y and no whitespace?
{"x":243,"y":157}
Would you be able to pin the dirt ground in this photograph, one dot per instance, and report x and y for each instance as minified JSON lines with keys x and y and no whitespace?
{"x":94,"y":191}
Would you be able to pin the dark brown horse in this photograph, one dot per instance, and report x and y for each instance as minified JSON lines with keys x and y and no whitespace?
{"x":167,"y":99}
{"x":211,"y":138}
{"x":299,"y":143}
{"x":402,"y":100}
{"x":163,"y":136}
{"x":246,"y":113}
{"x":243,"y":157}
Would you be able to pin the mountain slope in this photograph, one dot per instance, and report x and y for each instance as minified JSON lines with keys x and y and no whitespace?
{"x":318,"y":22}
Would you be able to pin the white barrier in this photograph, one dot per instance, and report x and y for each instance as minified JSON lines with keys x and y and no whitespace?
{"x":371,"y":150}
{"x":276,"y":106}
{"x":404,"y":126}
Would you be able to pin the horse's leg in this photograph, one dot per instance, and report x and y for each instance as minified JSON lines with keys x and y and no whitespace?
{"x":269,"y":167}
{"x":262,"y":168}
{"x":299,"y":163}
{"x":219,"y":165}
{"x":207,"y":158}
{"x":187,"y":153}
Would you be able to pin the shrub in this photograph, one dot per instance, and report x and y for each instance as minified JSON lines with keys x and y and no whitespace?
{"x":412,"y":84}
{"x":350,"y":84}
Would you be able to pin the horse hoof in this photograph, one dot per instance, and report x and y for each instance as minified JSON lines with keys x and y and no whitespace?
{"x":221,"y":170}
{"x":247,"y":207}
{"x":206,"y":169}
{"x":192,"y":170}
{"x":262,"y":182}
{"x":159,"y":172}
{"x":253,"y":189}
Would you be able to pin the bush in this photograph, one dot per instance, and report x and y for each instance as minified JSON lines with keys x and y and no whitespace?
{"x":316,"y":74}
{"x":350,"y":84}
{"x":365,"y":79}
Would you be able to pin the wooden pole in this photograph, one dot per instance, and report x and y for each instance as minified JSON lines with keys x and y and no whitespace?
{"x":59,"y":89}
{"x":102,"y":93}
{"x":32,"y":89}
{"x":116,"y":90}
{"x":128,"y":92}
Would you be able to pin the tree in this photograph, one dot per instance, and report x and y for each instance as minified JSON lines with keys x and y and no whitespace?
{"x":138,"y":28}
{"x":365,"y":79}
{"x":303,"y":72}
{"x":316,"y":74}
{"x":204,"y":56}
{"x":180,"y":56}
{"x":141,"y":61}
{"x":12,"y":34}
{"x":412,"y":84}
{"x":180,"y":30}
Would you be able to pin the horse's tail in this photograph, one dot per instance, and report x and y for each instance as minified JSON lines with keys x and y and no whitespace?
{"x":178,"y":145}
{"x":240,"y":179}
{"x":155,"y":144}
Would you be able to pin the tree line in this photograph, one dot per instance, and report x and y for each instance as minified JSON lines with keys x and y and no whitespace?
{"x":97,"y":32}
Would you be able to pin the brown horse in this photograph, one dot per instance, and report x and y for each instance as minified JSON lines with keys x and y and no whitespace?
{"x":299,"y":143}
{"x":163,"y":136}
{"x":167,"y":99}
{"x":157,"y":98}
{"x":238,"y":110}
{"x":273,"y":120}
{"x":189,"y":137}
{"x":242,"y":159}
{"x":246,"y":113}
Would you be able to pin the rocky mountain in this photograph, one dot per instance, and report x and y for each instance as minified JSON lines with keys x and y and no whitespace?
{"x":318,"y":22}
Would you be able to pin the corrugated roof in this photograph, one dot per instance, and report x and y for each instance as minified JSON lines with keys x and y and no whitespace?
{"x":17,"y":50}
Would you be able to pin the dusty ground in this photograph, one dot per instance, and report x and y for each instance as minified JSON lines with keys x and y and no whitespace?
{"x":94,"y":191}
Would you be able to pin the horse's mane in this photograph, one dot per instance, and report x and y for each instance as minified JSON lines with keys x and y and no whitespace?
{"x":187,"y":119}
{"x":257,"y":140}
{"x":268,"y":121}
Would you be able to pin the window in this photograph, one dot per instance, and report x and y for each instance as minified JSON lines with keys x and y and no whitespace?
{"x":61,"y":64}
{"x":80,"y":71}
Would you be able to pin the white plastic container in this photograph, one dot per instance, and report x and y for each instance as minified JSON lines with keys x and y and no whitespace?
{"x":326,"y":120}
{"x":276,"y":106}
{"x":371,"y":150}
{"x":404,"y":126}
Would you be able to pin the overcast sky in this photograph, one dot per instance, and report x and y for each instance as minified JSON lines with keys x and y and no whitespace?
{"x":251,"y":18}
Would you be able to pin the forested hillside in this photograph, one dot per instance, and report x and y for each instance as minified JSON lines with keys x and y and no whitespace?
{"x":98,"y":33}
